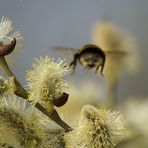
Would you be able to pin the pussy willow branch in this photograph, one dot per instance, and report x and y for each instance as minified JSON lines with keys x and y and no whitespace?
{"x":21,"y":92}
{"x":18,"y":90}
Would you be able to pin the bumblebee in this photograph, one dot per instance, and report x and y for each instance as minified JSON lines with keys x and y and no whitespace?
{"x":89,"y":56}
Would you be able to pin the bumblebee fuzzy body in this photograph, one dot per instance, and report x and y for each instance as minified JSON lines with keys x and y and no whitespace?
{"x":90,"y":56}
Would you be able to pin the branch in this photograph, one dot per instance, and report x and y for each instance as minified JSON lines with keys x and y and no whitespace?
{"x":21,"y":92}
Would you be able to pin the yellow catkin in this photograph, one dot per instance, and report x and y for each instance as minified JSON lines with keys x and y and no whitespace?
{"x":6,"y":85}
{"x":7,"y":35}
{"x":120,"y":48}
{"x":96,"y":129}
{"x":5,"y":30}
{"x":21,"y":125}
{"x":45,"y":81}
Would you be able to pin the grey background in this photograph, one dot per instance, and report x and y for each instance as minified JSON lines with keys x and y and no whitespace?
{"x":46,"y":23}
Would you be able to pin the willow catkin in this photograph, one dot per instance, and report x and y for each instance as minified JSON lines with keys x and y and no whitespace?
{"x":96,"y":129}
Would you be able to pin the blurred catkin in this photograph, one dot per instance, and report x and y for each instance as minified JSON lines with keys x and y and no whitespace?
{"x":21,"y":126}
{"x":135,"y":110}
{"x":121,"y":53}
{"x":6,"y":85}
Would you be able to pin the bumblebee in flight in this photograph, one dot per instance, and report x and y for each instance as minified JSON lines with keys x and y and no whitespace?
{"x":89,"y":56}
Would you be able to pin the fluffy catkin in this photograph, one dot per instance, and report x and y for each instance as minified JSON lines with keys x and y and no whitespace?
{"x":21,"y":126}
{"x":7,"y":35}
{"x":115,"y":43}
{"x":5,"y":30}
{"x":6,"y":85}
{"x":96,"y":129}
{"x":45,"y":81}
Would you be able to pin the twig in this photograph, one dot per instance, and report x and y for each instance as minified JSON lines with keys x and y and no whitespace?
{"x":21,"y":92}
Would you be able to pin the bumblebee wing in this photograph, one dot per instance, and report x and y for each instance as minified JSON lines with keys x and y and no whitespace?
{"x":65,"y":49}
{"x":119,"y":53}
{"x":65,"y":52}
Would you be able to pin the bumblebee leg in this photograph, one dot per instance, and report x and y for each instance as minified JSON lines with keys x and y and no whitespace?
{"x":74,"y":62}
{"x":97,"y":68}
{"x":101,"y":71}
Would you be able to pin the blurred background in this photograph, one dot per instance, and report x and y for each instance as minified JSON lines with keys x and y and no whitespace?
{"x":48,"y":23}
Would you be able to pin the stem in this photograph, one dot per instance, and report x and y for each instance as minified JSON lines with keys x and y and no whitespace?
{"x":54,"y":116}
{"x":21,"y":92}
